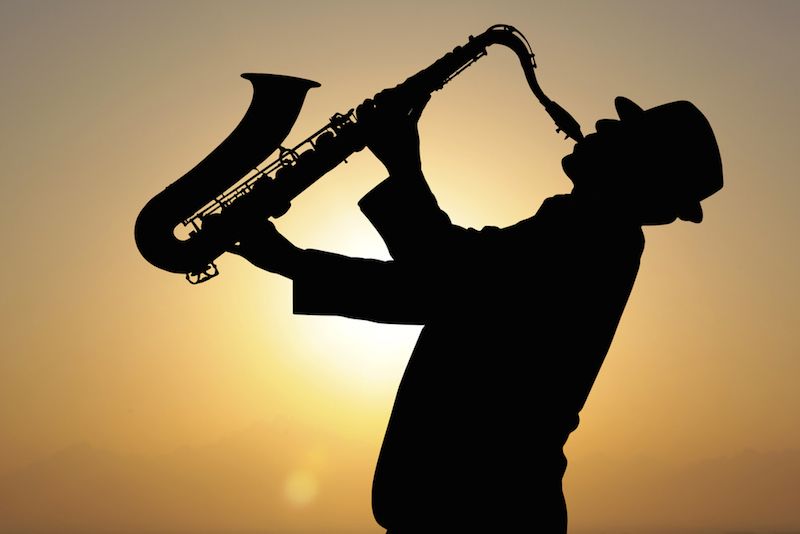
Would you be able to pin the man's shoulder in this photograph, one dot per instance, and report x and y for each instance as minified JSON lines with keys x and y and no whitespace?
{"x":568,"y":214}
{"x":558,"y":202}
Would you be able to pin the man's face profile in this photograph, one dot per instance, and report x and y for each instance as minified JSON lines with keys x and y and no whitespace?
{"x":649,"y":167}
{"x":600,"y":157}
{"x":618,"y":168}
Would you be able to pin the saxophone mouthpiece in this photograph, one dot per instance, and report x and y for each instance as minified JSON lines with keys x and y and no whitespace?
{"x":564,"y":121}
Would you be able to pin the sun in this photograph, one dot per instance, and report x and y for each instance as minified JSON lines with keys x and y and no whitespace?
{"x":366,"y":357}
{"x":363,"y":357}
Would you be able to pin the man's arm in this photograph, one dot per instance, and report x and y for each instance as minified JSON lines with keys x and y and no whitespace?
{"x":405,"y":213}
{"x":432,"y":254}
{"x":402,"y":208}
{"x":379,"y":291}
{"x":332,"y":284}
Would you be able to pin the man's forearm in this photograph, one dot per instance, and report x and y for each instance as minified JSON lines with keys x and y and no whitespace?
{"x":410,"y":176}
{"x":405,"y":213}
{"x":374,"y":290}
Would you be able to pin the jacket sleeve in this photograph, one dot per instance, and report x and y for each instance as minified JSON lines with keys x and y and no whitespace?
{"x":407,"y":216}
{"x":436,"y":263}
{"x":404,"y":291}
{"x":373,"y":290}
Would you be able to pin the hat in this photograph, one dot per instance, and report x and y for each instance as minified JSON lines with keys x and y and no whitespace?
{"x":683,"y":146}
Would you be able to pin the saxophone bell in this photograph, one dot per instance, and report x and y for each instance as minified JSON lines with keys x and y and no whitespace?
{"x":276,"y":101}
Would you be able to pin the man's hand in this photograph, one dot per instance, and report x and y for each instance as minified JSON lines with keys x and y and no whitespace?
{"x":390,"y":123}
{"x":265,"y":247}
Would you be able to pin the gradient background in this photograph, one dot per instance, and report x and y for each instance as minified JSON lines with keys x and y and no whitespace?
{"x":131,"y":401}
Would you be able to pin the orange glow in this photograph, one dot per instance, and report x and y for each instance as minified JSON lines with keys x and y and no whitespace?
{"x":132,"y":401}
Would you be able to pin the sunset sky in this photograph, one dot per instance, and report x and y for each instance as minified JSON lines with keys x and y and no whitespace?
{"x":130,"y":400}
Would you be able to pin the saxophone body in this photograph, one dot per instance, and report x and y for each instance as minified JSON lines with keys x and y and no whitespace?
{"x":229,"y":188}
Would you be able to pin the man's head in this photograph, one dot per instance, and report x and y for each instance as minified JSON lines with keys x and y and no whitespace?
{"x":654,"y":165}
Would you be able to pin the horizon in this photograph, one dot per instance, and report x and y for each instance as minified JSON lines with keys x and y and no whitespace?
{"x":103,"y":471}
{"x":107,"y":103}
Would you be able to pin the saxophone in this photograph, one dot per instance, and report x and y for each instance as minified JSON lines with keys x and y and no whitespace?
{"x":229,"y":187}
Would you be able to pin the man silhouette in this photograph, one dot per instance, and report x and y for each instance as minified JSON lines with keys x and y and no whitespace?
{"x":517,"y":320}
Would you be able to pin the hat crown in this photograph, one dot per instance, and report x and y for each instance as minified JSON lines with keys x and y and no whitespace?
{"x":682,"y":147}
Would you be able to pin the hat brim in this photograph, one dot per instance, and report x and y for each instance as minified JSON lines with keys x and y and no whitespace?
{"x":627,"y":108}
{"x":692,"y":213}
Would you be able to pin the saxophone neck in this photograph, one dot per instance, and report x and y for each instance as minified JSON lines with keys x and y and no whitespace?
{"x":512,"y":38}
{"x":438,"y":74}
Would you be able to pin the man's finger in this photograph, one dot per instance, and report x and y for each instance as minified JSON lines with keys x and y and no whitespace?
{"x":365,"y":110}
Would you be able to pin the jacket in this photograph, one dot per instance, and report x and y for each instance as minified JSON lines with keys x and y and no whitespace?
{"x":517,"y":324}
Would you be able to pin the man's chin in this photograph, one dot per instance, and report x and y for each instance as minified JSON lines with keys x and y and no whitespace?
{"x":570,"y":167}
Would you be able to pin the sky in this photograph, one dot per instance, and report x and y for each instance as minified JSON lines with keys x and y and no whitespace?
{"x":132,"y":400}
